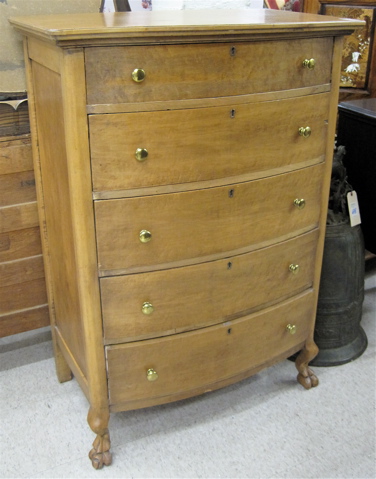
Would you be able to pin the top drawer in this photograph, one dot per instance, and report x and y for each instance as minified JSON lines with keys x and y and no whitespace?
{"x":176,"y":72}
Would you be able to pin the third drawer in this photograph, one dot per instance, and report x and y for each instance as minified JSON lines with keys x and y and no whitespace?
{"x":160,"y":231}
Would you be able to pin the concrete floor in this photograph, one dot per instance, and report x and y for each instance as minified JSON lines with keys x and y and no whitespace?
{"x":265,"y":427}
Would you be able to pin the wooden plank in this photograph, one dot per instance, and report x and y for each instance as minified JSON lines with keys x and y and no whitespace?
{"x":22,"y":270}
{"x":18,"y":217}
{"x":14,"y":120}
{"x":20,"y":244}
{"x":17,"y":188}
{"x":15,"y":154}
{"x":24,"y":320}
{"x":22,"y":296}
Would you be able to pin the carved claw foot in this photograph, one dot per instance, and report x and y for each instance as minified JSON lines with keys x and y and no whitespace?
{"x":306,"y":376}
{"x":100,"y":455}
{"x":309,"y":381}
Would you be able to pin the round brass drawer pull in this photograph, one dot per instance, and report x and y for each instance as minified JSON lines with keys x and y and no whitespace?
{"x":294,"y":268}
{"x":147,"y":308}
{"x":138,"y":75}
{"x":291,"y":328}
{"x":309,"y":63}
{"x":145,"y":236}
{"x":141,"y":154}
{"x":305,"y":131}
{"x":299,"y":203}
{"x":151,"y":375}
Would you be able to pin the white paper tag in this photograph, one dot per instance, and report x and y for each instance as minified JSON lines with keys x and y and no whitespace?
{"x":353,"y":205}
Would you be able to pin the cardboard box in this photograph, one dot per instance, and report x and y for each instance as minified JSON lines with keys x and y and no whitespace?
{"x":12,"y":75}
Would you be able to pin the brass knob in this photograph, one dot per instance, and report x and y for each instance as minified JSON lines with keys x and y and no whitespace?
{"x":299,"y":203}
{"x":147,"y":308}
{"x":291,"y":328}
{"x":138,"y":75}
{"x":294,"y":268}
{"x":305,"y":131}
{"x":151,"y":375}
{"x":145,"y":236}
{"x":141,"y":154}
{"x":309,"y":63}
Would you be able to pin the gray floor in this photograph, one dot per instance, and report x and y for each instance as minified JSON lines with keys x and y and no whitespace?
{"x":265,"y":427}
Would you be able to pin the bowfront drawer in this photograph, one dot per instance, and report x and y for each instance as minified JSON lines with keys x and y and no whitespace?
{"x":133,"y":150}
{"x":153,"y":304}
{"x":137,"y":234}
{"x":177,"y":72}
{"x":164,"y":367}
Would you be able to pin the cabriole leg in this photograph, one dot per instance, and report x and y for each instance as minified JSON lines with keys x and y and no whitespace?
{"x":306,"y":376}
{"x":100,"y":455}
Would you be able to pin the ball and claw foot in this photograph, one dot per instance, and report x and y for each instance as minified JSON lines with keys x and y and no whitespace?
{"x":306,"y":376}
{"x":308,"y":381}
{"x":100,"y":455}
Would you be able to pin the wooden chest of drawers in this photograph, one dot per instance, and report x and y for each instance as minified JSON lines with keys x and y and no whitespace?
{"x":183,"y":163}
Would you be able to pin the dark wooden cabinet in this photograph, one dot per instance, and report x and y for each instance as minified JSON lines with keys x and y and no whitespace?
{"x":357,"y":132}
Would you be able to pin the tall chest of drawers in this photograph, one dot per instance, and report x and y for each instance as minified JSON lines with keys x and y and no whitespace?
{"x":183,"y":163}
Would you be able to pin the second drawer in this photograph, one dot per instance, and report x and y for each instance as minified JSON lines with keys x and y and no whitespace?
{"x":134,"y":150}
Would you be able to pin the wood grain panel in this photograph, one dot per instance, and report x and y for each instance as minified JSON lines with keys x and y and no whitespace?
{"x":183,"y":145}
{"x":15,"y":154}
{"x":187,"y":71}
{"x":18,"y":217}
{"x":204,"y":294}
{"x":192,"y":225}
{"x":22,"y":270}
{"x":20,"y":244}
{"x":17,"y":188}
{"x":201,"y":358}
{"x":24,"y":320}
{"x":50,"y":123}
{"x":24,"y":295}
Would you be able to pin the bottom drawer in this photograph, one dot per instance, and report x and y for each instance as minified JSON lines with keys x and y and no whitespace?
{"x":190,"y":363}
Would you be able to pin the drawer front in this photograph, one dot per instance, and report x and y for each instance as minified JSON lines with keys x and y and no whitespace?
{"x":153,"y":304}
{"x":184,"y":145}
{"x":198,"y":224}
{"x":188,"y":361}
{"x":176,"y":72}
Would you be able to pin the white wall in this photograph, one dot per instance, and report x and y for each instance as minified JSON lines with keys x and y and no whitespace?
{"x":195,"y":4}
{"x":218,"y":3}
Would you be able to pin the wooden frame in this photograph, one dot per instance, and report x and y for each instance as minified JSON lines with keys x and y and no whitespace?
{"x":369,"y":91}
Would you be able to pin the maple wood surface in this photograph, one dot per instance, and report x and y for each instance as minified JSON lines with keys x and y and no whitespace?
{"x":204,"y":294}
{"x":214,"y":221}
{"x":23,"y":298}
{"x":240,"y":212}
{"x":186,"y":361}
{"x":219,"y":70}
{"x":93,"y":27}
{"x":176,"y":142}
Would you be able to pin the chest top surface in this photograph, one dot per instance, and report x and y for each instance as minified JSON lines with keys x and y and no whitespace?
{"x":203,"y":25}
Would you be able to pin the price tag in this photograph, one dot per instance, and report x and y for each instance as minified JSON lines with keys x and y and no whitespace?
{"x":353,"y":205}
